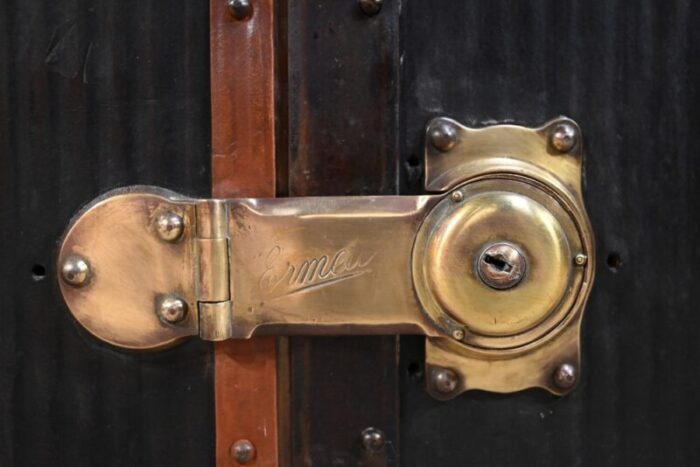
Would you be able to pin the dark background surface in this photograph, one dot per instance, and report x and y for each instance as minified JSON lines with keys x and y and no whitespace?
{"x":95,"y":95}
{"x":342,"y":117}
{"x":628,"y":73}
{"x":99,"y":94}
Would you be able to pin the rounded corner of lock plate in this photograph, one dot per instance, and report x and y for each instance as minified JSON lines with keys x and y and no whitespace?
{"x":106,"y":270}
{"x":551,"y":153}
{"x":554,"y":367}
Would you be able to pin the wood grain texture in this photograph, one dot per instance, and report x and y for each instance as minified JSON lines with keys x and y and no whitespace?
{"x":343,"y":140}
{"x":95,"y":95}
{"x":627,"y":72}
{"x":243,"y":164}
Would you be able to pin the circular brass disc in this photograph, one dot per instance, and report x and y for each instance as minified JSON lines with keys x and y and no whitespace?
{"x":131,"y":268}
{"x":455,"y":235}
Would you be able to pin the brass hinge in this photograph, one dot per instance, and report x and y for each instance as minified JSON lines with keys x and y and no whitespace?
{"x":494,"y":265}
{"x":213,"y":273}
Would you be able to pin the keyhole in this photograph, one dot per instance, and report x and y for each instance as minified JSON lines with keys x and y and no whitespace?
{"x":497,"y":263}
{"x":501,"y":266}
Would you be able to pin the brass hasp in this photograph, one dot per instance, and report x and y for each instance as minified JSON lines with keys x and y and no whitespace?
{"x":493,"y":265}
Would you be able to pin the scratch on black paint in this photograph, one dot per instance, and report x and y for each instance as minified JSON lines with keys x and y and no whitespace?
{"x":67,"y":53}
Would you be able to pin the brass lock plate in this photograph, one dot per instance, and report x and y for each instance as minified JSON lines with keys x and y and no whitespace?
{"x":494,"y":267}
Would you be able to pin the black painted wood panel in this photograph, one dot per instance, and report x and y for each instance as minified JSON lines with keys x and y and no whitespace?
{"x":627,"y":72}
{"x":95,"y":95}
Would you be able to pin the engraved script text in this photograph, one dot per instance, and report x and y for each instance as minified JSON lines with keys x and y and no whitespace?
{"x":282,"y":278}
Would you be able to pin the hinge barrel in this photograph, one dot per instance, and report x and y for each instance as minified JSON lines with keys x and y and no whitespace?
{"x":213,"y":284}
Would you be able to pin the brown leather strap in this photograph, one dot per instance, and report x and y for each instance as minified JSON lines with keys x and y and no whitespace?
{"x":243,"y":164}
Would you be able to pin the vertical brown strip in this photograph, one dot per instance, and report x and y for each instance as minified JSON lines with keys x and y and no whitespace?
{"x":343,"y":72}
{"x":243,"y":164}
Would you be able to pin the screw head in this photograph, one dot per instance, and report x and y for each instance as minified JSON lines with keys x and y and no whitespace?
{"x":240,"y":9}
{"x":457,"y":196}
{"x":565,"y":376}
{"x":172,"y":309}
{"x":75,"y":271}
{"x":370,"y":7}
{"x":458,"y":334}
{"x":580,"y":259}
{"x":501,"y":266}
{"x":373,"y":439}
{"x":243,"y":451}
{"x":170,"y":226}
{"x":563,"y":137}
{"x":444,"y":380}
{"x":443,"y":135}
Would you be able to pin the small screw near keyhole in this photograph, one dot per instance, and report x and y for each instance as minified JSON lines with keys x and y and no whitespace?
{"x":501,"y":266}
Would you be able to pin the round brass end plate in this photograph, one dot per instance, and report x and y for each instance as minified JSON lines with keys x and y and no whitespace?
{"x":132,"y":268}
{"x":450,"y":248}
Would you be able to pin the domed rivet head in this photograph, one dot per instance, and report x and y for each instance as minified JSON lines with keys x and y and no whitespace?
{"x":501,"y":266}
{"x":373,"y":440}
{"x":243,"y":451}
{"x":240,"y":9}
{"x":580,"y":259}
{"x":458,"y":334}
{"x":75,"y":271}
{"x":442,"y":135}
{"x":444,"y":380}
{"x":169,"y":226}
{"x":563,"y":137}
{"x":172,"y":310}
{"x":370,"y":7}
{"x":457,"y":196}
{"x":565,"y":376}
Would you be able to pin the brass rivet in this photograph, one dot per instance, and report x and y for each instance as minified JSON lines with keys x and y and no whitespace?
{"x":458,"y":334}
{"x":172,"y":309}
{"x":370,"y":7}
{"x":457,"y":196}
{"x":169,"y":226}
{"x":565,"y":376}
{"x":240,"y":9}
{"x":563,"y":137}
{"x":443,"y":135}
{"x":75,"y":271}
{"x":580,"y":259}
{"x":444,"y":380}
{"x":243,"y":451}
{"x":373,"y":439}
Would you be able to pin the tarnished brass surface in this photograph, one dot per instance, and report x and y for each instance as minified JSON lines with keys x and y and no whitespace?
{"x":535,"y":202}
{"x":489,"y":267}
{"x":326,"y":265}
{"x":298,"y":266}
{"x":133,"y":268}
{"x":452,"y":240}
